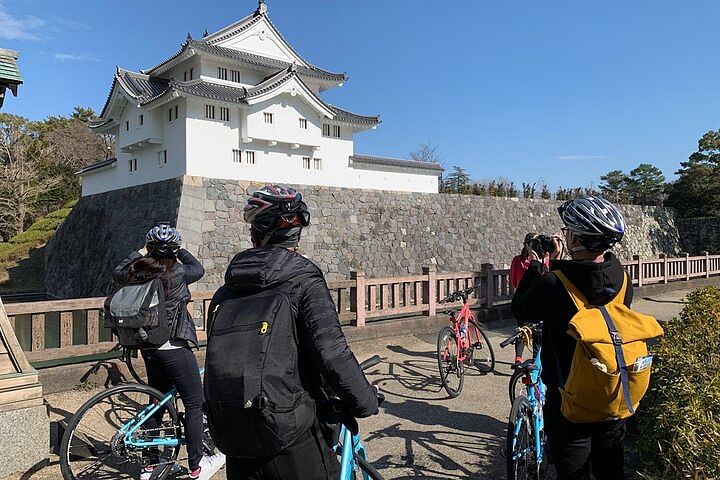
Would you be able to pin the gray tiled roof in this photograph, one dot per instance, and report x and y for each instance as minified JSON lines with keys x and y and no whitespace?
{"x":396,"y":162}
{"x":145,"y":89}
{"x":97,"y":165}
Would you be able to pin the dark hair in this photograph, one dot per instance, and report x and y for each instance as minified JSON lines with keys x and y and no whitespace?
{"x":528,"y":236}
{"x":146,"y":268}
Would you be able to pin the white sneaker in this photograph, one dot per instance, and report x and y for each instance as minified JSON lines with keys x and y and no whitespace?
{"x":209,"y":465}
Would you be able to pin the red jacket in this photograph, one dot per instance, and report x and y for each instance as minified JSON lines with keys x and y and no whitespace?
{"x":518,"y":266}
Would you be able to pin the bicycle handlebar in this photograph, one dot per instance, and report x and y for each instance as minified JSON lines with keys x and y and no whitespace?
{"x":536,"y":328}
{"x":459,"y":295}
{"x":370,"y":362}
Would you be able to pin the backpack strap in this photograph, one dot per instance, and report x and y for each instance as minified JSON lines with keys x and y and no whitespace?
{"x":576,"y":295}
{"x":619,"y":357}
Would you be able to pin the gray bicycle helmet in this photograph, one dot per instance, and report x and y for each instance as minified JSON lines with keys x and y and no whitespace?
{"x":163,"y":240}
{"x":277,"y":214}
{"x":597,"y":223}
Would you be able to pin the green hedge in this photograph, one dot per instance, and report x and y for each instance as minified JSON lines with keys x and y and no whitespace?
{"x":680,"y":419}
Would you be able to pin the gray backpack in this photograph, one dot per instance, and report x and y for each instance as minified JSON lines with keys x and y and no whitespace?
{"x":137,"y":315}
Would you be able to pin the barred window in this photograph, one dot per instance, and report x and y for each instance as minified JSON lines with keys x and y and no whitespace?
{"x":210,"y":112}
{"x":317,"y":163}
{"x":133,"y":164}
{"x":222,"y":73}
{"x":170,"y":114}
{"x":235,"y":76}
{"x":268,"y":117}
{"x":237,"y":155}
{"x":162,"y":158}
{"x":249,"y":157}
{"x":306,"y":163}
{"x":303,"y":123}
{"x":224,"y":114}
{"x":326,"y":129}
{"x":142,"y":119}
{"x":336,"y":131}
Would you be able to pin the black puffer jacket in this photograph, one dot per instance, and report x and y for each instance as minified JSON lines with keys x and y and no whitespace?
{"x":324,"y":356}
{"x":187,"y":271}
{"x":543,"y":298}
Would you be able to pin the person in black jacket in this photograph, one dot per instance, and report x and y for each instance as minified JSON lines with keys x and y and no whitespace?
{"x":593,"y":225}
{"x":326,"y":365}
{"x":173,"y":365}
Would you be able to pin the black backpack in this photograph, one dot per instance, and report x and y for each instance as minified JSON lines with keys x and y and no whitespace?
{"x":137,"y":315}
{"x":255,"y":403}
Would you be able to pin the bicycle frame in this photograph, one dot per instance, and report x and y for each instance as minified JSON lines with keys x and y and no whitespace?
{"x":536,"y":395}
{"x":351,"y":447}
{"x":128,"y":429}
{"x":462,"y":316}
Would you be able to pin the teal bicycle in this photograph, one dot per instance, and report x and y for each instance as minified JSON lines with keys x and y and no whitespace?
{"x":124,"y":429}
{"x":526,"y":451}
{"x":350,"y":449}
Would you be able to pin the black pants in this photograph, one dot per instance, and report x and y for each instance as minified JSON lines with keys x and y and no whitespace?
{"x":576,"y":449}
{"x":178,"y":368}
{"x":309,"y":458}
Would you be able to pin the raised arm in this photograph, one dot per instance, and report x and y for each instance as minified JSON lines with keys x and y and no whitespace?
{"x":119,"y":274}
{"x":194,"y":270}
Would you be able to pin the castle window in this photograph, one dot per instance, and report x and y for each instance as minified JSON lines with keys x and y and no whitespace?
{"x":191,"y":74}
{"x":268,"y":118}
{"x":210,"y":112}
{"x":336,"y":131}
{"x":250,"y":157}
{"x":127,"y":125}
{"x":303,"y":123}
{"x":235,"y":76}
{"x":222,"y":73}
{"x":237,"y":155}
{"x":326,"y":129}
{"x":306,"y":163}
{"x":162,"y":158}
{"x":224,"y":114}
{"x":317,"y":163}
{"x":170,"y":114}
{"x":176,"y":112}
{"x":185,"y":75}
{"x":142,"y":119}
{"x":133,"y":164}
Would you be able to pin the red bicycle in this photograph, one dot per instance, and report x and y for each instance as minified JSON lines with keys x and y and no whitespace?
{"x":462,"y":344}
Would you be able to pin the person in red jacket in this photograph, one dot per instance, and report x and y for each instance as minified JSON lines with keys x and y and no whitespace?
{"x":518,"y":267}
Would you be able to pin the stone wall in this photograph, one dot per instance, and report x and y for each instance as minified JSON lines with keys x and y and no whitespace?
{"x":700,"y":234}
{"x":382,"y":233}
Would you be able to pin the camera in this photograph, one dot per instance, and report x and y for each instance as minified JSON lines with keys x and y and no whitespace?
{"x":542,"y":244}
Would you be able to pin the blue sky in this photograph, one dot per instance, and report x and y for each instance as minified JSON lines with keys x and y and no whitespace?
{"x":559,"y":90}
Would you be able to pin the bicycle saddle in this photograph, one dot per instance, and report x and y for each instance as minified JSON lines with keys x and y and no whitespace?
{"x":527,"y":366}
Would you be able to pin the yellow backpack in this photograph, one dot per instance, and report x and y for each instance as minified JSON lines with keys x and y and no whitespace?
{"x":610,"y":369}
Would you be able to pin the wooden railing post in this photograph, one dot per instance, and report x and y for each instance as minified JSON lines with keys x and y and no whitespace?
{"x":664,"y":258}
{"x":687,"y":266}
{"x":707,"y":263}
{"x":637,"y":259}
{"x":431,"y":271}
{"x":357,"y":298}
{"x":488,"y":283}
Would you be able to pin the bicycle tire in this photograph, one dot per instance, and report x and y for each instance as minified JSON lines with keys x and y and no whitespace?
{"x":367,"y":469}
{"x":66,"y":444}
{"x":446,"y":338}
{"x":513,"y":388}
{"x":528,"y":468}
{"x":485,"y":345}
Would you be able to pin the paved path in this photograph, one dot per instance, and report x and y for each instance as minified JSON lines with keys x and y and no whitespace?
{"x":421,"y":433}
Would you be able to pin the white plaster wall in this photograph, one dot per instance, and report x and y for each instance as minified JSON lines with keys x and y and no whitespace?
{"x":149,"y":169}
{"x":287,"y":111}
{"x":210,"y":142}
{"x":261,"y":39}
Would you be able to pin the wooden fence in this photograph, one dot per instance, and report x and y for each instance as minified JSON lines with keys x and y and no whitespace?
{"x":58,"y":329}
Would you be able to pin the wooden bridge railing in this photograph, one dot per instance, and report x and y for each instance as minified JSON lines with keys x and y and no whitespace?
{"x":59,"y":329}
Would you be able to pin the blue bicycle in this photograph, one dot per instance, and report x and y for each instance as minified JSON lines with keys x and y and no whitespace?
{"x":526,"y":452}
{"x":350,"y":449}
{"x":124,"y":429}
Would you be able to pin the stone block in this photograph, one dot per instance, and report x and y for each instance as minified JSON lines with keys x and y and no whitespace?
{"x":24,"y":439}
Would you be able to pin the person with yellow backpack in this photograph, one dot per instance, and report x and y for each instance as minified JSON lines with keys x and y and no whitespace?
{"x":595,"y":359}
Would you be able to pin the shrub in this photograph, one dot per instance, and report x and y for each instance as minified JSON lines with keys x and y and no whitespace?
{"x":680,"y":419}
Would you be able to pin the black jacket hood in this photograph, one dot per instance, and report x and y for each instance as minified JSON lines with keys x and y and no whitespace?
{"x":265,"y":267}
{"x":598,"y":281}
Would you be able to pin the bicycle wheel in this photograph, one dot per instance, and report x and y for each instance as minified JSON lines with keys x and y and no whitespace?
{"x":93,"y":448}
{"x":516,"y":387}
{"x":483,"y":354}
{"x":367,"y":471}
{"x":452,"y":373}
{"x":520,"y":448}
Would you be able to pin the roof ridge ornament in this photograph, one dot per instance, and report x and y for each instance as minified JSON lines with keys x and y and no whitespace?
{"x":292,"y":68}
{"x":262,"y":7}
{"x":189,"y":38}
